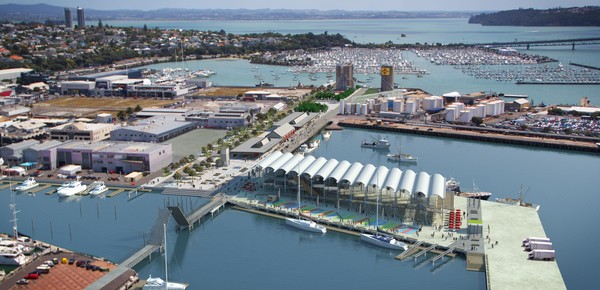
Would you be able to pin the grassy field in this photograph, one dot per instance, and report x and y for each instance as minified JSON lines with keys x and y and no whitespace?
{"x":223,"y":91}
{"x":102,"y":103}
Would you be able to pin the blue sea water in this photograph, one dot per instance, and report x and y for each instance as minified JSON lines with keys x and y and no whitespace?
{"x":238,"y":250}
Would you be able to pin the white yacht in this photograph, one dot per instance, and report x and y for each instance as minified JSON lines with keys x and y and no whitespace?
{"x":309,"y":146}
{"x":29,"y":183}
{"x":12,"y":256}
{"x":326,"y":135}
{"x":158,"y":283}
{"x":382,"y":143}
{"x":99,"y":187}
{"x":306,"y":225}
{"x":302,"y":224}
{"x":71,"y":188}
{"x":384,"y":241}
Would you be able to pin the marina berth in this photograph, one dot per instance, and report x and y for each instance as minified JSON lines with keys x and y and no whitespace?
{"x":98,"y":188}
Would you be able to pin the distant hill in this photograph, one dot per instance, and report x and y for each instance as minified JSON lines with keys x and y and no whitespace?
{"x":575,"y":16}
{"x":43,"y":12}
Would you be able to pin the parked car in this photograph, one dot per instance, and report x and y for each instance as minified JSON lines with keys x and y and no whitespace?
{"x":71,"y":261}
{"x":32,"y":276}
{"x":22,"y":282}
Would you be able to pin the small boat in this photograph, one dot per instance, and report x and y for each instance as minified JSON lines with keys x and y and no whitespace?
{"x":402,"y":157}
{"x":473,"y":194}
{"x":99,"y":187}
{"x":309,"y":146}
{"x":519,"y":201}
{"x":306,"y":225}
{"x":598,"y":144}
{"x":382,"y":143}
{"x":71,"y":188}
{"x":27,"y":184}
{"x":264,"y":84}
{"x":326,"y":134}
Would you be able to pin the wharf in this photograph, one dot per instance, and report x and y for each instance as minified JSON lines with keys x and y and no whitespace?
{"x":507,"y":265}
{"x":188,"y":221}
{"x":479,"y":134}
{"x":116,"y":192}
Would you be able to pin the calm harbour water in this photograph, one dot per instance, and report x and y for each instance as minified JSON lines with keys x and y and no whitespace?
{"x":237,"y":250}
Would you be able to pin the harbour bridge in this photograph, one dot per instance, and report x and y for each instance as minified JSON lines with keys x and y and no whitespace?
{"x":557,"y":42}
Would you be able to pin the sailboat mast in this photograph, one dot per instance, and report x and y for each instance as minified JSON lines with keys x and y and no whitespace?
{"x":298,"y":193}
{"x":377,"y":202}
{"x":165,"y":245}
{"x":13,"y":207}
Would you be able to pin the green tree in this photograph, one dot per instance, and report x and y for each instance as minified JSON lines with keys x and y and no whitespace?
{"x":177,"y":175}
{"x":477,"y":120}
{"x":138,"y":108}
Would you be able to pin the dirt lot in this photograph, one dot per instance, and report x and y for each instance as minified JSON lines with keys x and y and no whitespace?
{"x":89,"y":107}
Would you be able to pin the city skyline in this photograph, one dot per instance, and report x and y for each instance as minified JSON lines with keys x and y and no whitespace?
{"x":350,"y":5}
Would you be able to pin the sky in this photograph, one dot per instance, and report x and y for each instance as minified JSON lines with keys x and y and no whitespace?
{"x":376,"y":5}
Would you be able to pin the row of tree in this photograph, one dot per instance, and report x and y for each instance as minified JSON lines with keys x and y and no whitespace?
{"x":582,"y":16}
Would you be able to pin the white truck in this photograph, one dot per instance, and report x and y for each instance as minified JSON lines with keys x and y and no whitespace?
{"x":546,"y":255}
{"x":538,"y":246}
{"x":534,"y":239}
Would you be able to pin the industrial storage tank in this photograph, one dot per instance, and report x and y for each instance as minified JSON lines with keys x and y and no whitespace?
{"x":480,"y":111}
{"x":342,"y":107}
{"x":364,"y":109}
{"x":410,"y":107}
{"x":383,"y":107}
{"x":390,"y":103}
{"x":348,"y":109}
{"x":450,"y":114}
{"x":397,"y":106}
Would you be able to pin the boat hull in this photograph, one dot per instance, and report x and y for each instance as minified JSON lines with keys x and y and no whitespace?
{"x":305,"y":225}
{"x":478,"y":195}
{"x":25,"y":187}
{"x":383,"y":241}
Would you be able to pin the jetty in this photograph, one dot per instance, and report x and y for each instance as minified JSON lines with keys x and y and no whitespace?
{"x":529,"y":43}
{"x":187,"y":221}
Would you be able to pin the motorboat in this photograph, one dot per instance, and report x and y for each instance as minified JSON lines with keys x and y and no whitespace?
{"x":306,"y":225}
{"x":98,"y":188}
{"x":158,"y":283}
{"x":309,"y":147}
{"x":382,"y":143}
{"x":71,"y":188}
{"x":326,"y":134}
{"x":12,"y":256}
{"x":475,"y":193}
{"x":303,"y":224}
{"x":29,"y":183}
{"x":384,"y":241}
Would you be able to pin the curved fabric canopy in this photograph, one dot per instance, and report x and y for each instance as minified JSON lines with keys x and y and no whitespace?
{"x":352,"y":173}
{"x":304,"y":164}
{"x":339,"y":170}
{"x":393,"y":179}
{"x":268,"y":160}
{"x":422,"y":187}
{"x":327,"y":169}
{"x":365,"y":175}
{"x":315,"y":166}
{"x":280,"y":161}
{"x":292,"y":164}
{"x":438,"y":186}
{"x":408,"y":181}
{"x":378,"y":177}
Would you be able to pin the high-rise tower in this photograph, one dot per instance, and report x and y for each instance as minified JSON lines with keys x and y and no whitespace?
{"x":344,"y":76}
{"x":80,"y":18}
{"x":68,"y":18}
{"x":387,"y":78}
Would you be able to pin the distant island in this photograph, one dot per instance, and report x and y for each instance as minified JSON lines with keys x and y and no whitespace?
{"x":43,"y":12}
{"x":574,"y":16}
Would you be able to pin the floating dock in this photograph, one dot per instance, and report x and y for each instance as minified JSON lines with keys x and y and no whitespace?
{"x":187,"y":222}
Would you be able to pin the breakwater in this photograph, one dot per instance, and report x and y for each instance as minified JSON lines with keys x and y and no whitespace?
{"x":479,"y":136}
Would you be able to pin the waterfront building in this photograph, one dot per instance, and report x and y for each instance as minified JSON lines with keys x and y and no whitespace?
{"x":227,"y":117}
{"x":80,"y":18}
{"x":420,"y":195}
{"x":387,"y":78}
{"x":122,"y":157}
{"x":13,"y":74}
{"x":156,"y":129}
{"x":77,"y":87}
{"x":104,"y":118}
{"x":298,"y":119}
{"x":82,"y":131}
{"x":517,"y":105}
{"x":68,"y":18}
{"x":13,"y":153}
{"x":32,"y":154}
{"x":344,"y":76}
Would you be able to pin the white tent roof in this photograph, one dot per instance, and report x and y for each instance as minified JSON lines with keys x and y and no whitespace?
{"x":379,"y":177}
{"x":292,"y":163}
{"x":422,"y":183}
{"x":315,"y":166}
{"x":452,"y":94}
{"x":352,"y":173}
{"x":327,"y":169}
{"x":339,"y":170}
{"x":393,"y":178}
{"x":365,"y":175}
{"x":304,"y":164}
{"x":438,"y":186}
{"x":280,"y":161}
{"x":268,"y":160}
{"x":408,"y":180}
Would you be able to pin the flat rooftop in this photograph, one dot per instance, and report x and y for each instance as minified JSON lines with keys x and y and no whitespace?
{"x":508,"y":266}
